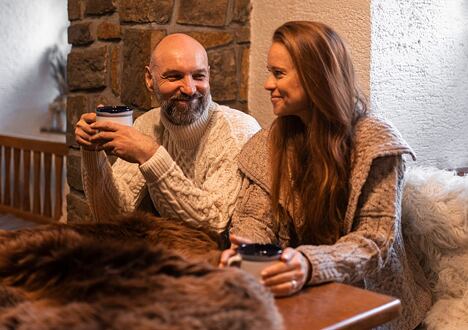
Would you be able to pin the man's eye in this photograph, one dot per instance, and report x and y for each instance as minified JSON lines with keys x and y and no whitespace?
{"x":199,"y":76}
{"x":172,"y":77}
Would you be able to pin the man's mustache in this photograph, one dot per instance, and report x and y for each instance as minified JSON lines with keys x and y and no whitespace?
{"x":184,"y":97}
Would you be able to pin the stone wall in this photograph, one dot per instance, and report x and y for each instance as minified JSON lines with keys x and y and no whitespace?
{"x":112,"y":41}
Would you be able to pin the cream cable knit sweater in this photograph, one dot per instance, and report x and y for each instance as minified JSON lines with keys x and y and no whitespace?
{"x":193,"y":175}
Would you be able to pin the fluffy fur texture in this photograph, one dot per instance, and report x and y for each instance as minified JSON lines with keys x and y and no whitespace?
{"x":435,"y":220}
{"x":131,"y":274}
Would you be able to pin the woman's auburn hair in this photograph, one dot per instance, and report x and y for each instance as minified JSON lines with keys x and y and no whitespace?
{"x":311,"y":161}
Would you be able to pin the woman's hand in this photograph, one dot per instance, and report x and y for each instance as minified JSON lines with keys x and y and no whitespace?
{"x":288,"y":276}
{"x":232,"y":251}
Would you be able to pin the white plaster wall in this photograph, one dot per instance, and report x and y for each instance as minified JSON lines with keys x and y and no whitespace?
{"x":351,"y":18}
{"x":419,"y":75}
{"x":27,"y":29}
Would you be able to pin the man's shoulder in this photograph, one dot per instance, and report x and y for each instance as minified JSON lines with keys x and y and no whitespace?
{"x":240,"y":124}
{"x":148,"y":121}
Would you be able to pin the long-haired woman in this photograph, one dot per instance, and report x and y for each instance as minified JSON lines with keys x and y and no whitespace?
{"x":325,"y":180}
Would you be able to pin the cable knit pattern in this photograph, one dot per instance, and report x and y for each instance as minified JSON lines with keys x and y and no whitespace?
{"x":193,"y":176}
{"x":371,"y":252}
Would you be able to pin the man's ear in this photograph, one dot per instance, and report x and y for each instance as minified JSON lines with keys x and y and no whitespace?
{"x":149,"y":79}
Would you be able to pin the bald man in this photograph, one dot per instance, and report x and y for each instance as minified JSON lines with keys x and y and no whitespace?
{"x":182,"y":155}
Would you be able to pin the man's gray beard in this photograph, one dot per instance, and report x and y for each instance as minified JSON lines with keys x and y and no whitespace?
{"x":179,"y":114}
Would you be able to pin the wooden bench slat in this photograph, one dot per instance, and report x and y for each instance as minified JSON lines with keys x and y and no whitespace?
{"x":26,"y":206}
{"x":7,"y":198}
{"x":58,"y":186}
{"x":16,"y":178}
{"x":47,"y":183}
{"x":37,"y":182}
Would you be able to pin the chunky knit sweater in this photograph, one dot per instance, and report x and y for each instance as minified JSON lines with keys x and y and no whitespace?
{"x":193,"y":175}
{"x":371,"y":251}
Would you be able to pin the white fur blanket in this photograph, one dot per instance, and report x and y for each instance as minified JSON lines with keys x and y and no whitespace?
{"x":435,"y":223}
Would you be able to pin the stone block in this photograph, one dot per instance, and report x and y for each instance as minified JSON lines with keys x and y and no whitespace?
{"x":99,"y":7}
{"x":244,"y":85}
{"x":242,"y":10}
{"x":78,"y":210}
{"x":212,"y":39}
{"x":87,"y":69}
{"x":115,"y":65}
{"x":223,"y":74}
{"x":137,"y":47}
{"x":76,"y":106}
{"x":108,"y":31}
{"x":203,"y":12}
{"x":74,"y":169}
{"x":75,"y":10}
{"x":80,"y":34}
{"x":146,"y":11}
{"x":243,"y":35}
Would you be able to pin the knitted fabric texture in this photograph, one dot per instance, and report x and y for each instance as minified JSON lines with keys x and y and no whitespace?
{"x":193,"y":175}
{"x":371,"y":253}
{"x":114,"y":276}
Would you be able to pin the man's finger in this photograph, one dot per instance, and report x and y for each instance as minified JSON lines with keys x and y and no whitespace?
{"x":106,"y":126}
{"x":102,"y":137}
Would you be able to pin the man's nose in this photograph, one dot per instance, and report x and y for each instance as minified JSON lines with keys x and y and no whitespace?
{"x":188,"y":86}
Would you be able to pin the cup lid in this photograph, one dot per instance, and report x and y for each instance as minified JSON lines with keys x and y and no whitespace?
{"x":113,"y":109}
{"x":259,"y":251}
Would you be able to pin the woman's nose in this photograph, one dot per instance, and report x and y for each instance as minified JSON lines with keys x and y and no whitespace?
{"x":269,"y":83}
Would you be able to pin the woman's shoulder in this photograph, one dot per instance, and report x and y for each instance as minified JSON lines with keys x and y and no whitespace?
{"x":253,"y":159}
{"x":376,"y":137}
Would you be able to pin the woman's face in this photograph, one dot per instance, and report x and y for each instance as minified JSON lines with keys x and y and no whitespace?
{"x":287,"y":95}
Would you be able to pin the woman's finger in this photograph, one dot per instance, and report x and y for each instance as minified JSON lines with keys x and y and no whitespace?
{"x":280,"y":278}
{"x":226,"y":255}
{"x":284,"y":289}
{"x":237,"y":240}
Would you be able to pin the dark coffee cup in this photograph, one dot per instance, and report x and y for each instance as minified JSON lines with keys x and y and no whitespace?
{"x":255,"y":257}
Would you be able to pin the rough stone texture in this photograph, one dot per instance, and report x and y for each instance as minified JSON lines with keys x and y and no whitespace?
{"x":212,"y":39}
{"x":203,"y":12}
{"x":87,"y":68}
{"x":223,"y":78}
{"x":243,"y":35}
{"x":115,"y":61}
{"x":80,"y":34}
{"x":419,"y":76}
{"x":76,"y":106}
{"x":74,"y":169}
{"x":146,"y":11}
{"x":241,"y":11}
{"x":108,"y":31}
{"x":77,"y":208}
{"x":244,"y":86}
{"x":75,"y":10}
{"x":99,"y":7}
{"x":138,"y":44}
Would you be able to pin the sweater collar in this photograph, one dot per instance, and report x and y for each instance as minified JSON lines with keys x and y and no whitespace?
{"x":188,"y":136}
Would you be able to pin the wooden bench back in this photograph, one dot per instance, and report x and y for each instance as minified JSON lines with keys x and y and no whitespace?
{"x":28,"y":170}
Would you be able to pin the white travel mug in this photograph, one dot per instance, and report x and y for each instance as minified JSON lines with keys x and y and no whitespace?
{"x":120,"y":114}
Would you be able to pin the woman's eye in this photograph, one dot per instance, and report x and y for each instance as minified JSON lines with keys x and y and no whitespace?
{"x":278,"y":74}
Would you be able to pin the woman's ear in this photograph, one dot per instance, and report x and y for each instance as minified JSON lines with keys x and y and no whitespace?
{"x":149,"y":79}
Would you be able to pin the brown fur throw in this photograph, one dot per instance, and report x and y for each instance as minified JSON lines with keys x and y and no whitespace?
{"x":138,"y":272}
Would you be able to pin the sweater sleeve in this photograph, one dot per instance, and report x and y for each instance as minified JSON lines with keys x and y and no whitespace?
{"x":365,"y":249}
{"x":110,"y":190}
{"x":209,"y":203}
{"x":252,"y":218}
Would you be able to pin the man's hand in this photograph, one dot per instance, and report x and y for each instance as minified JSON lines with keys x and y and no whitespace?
{"x":124,"y":142}
{"x":84,"y":132}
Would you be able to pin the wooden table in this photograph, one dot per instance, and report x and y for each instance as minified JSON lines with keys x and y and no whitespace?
{"x":337,"y":306}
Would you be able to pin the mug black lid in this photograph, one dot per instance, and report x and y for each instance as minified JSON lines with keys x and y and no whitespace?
{"x":260,"y":250}
{"x":114,"y":109}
